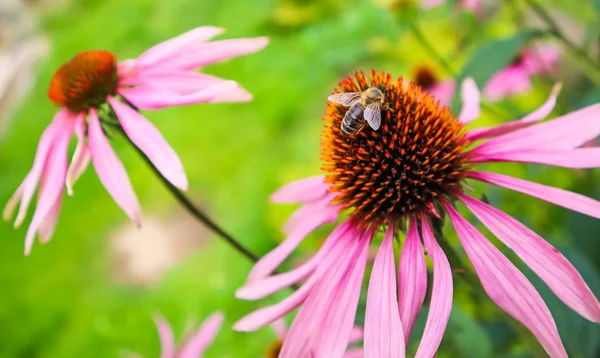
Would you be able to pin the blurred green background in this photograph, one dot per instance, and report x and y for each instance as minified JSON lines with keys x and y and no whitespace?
{"x":92,"y":290}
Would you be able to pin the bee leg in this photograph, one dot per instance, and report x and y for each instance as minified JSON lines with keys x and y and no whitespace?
{"x":388,"y":108}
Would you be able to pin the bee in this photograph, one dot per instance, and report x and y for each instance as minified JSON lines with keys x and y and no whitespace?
{"x":365,"y":107}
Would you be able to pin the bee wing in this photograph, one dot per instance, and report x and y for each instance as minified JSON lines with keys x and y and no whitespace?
{"x":373,"y":115}
{"x":345,"y":99}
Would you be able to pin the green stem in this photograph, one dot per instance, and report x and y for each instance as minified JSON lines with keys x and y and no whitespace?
{"x":591,"y":67}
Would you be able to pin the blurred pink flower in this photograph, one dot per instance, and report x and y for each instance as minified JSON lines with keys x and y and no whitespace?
{"x":442,"y":90}
{"x":162,"y":76}
{"x":473,"y":6}
{"x":516,"y":78}
{"x":193,"y":347}
{"x":414,"y":165}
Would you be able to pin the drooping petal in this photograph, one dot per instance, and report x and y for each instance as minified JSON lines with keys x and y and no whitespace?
{"x":269,"y":262}
{"x":151,"y":98}
{"x":324,"y":323}
{"x":356,"y":335}
{"x":507,"y":286}
{"x":280,"y":328}
{"x":200,"y":341}
{"x":301,"y":191}
{"x":471,"y":100}
{"x":540,"y":59}
{"x":111,"y":172}
{"x":213,"y":52}
{"x":27,"y":188}
{"x":307,"y":210}
{"x":546,"y":261}
{"x":81,"y":157}
{"x":530,"y":119}
{"x":382,"y":318}
{"x":509,"y":81}
{"x":560,"y":197}
{"x":264,"y":316}
{"x":441,"y":295}
{"x":354,"y":353}
{"x":180,"y":82}
{"x":54,"y":173}
{"x":148,"y":139}
{"x":412,"y":279}
{"x":564,"y":132}
{"x":580,"y":158}
{"x":173,"y":47}
{"x":167,"y":340}
{"x":48,"y":224}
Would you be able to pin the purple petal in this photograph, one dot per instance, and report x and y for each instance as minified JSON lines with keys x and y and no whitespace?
{"x":180,"y":82}
{"x":269,"y":262}
{"x":560,"y":197}
{"x":356,"y":335}
{"x":268,"y":315}
{"x":354,"y":353}
{"x":27,"y":188}
{"x":308,"y":210}
{"x":48,"y":224}
{"x":443,"y":92}
{"x":54,"y":173}
{"x":173,"y":47}
{"x":507,"y":286}
{"x":412,"y":279}
{"x":200,"y":341}
{"x":302,"y":191}
{"x":530,"y":119}
{"x":324,"y":323}
{"x":382,"y":322}
{"x":471,"y":100}
{"x":148,"y":139}
{"x":213,"y":52}
{"x":150,"y":98}
{"x":81,"y":157}
{"x":111,"y":171}
{"x":441,"y":295}
{"x":541,"y":59}
{"x":580,"y":158}
{"x":565,"y":132}
{"x":167,"y":340}
{"x":510,"y":81}
{"x":280,"y":328}
{"x":546,"y":261}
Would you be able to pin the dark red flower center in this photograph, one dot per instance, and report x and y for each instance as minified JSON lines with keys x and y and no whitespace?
{"x":416,"y":156}
{"x":425,"y":77}
{"x":85,"y":81}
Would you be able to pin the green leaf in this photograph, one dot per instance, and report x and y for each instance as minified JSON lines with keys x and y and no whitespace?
{"x":596,"y":4}
{"x":490,"y":58}
{"x":591,"y":97}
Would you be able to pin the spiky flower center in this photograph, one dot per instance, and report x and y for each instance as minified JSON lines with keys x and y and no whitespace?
{"x":85,"y":81}
{"x":416,"y":156}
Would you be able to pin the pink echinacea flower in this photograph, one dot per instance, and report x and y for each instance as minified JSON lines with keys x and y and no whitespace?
{"x":516,"y":78}
{"x":91,"y":84}
{"x":443,"y":90}
{"x":195,"y":345}
{"x":416,"y":164}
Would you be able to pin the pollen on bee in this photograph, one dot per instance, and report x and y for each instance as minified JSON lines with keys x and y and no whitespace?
{"x":84,"y":81}
{"x":416,"y":156}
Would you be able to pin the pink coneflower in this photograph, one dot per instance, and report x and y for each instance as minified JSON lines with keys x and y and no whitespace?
{"x":442,"y":90}
{"x":416,"y":164}
{"x":516,"y":78}
{"x":93,"y":89}
{"x":195,"y":345}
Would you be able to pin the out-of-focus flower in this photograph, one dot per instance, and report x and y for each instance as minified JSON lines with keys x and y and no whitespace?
{"x":473,"y":6}
{"x":516,"y":78}
{"x":93,"y":82}
{"x":416,"y":164}
{"x":281,"y":330}
{"x":443,"y":91}
{"x":195,"y":345}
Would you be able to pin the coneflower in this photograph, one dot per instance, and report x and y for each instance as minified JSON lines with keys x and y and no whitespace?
{"x":416,"y":164}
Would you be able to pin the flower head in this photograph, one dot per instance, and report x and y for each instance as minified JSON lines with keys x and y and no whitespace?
{"x":195,"y":345}
{"x":516,"y":78}
{"x":402,"y":175}
{"x":94,"y":90}
{"x":442,"y":90}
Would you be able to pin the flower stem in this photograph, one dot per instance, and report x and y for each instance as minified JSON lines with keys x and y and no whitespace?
{"x":591,"y":67}
{"x":186,"y":202}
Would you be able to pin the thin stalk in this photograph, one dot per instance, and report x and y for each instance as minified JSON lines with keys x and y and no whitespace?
{"x":188,"y":204}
